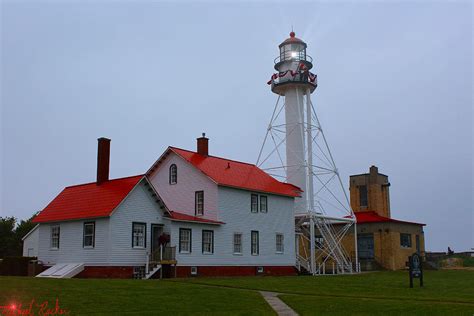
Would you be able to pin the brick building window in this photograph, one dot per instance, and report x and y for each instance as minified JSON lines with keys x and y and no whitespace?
{"x":363,"y":198}
{"x":405,"y":240}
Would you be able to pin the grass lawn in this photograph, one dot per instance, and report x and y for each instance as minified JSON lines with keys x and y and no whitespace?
{"x":139,"y":297}
{"x":445,"y":293}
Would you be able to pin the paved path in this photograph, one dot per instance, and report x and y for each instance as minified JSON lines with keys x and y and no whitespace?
{"x":278,"y":305}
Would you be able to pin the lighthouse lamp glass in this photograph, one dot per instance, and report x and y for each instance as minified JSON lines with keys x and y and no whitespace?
{"x":294,"y":54}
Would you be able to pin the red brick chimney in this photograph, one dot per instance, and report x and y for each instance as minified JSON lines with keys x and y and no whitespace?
{"x":203,"y":145}
{"x":103,"y":159}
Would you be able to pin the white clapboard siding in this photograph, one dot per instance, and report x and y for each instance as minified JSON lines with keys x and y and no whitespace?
{"x":71,"y":248}
{"x":139,"y":206}
{"x":31,"y":243}
{"x":234,"y":206}
{"x":179,"y":197}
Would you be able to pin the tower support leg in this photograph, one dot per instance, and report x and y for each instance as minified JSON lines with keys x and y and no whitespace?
{"x":312,"y":245}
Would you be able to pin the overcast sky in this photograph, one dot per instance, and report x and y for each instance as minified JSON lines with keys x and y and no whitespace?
{"x":395,"y":90}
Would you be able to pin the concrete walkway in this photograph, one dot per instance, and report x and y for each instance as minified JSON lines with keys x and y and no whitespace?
{"x":278,"y":305}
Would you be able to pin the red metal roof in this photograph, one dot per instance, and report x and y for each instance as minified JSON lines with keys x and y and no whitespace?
{"x":87,"y":200}
{"x":237,"y":174}
{"x":188,"y":218}
{"x":373,"y":217}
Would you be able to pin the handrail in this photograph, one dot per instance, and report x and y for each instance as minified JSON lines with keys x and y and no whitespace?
{"x":299,"y":57}
{"x":163,"y":254}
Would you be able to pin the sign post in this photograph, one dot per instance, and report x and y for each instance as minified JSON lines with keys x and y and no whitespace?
{"x":415,"y":269}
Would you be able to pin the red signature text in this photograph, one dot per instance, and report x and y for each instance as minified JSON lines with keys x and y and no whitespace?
{"x":33,"y":308}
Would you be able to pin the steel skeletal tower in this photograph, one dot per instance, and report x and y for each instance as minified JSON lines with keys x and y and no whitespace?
{"x":295,"y":149}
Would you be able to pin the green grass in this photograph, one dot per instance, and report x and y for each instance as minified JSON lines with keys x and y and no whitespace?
{"x":467,"y":261}
{"x":444,"y":285}
{"x":445,"y":293}
{"x":116,"y":297}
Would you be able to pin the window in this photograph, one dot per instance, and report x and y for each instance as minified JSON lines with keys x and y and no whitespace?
{"x":88,"y":240}
{"x":254,"y":243}
{"x":55,"y":232}
{"x":173,"y":174}
{"x":279,"y":243}
{"x":254,"y":203}
{"x":199,"y":203}
{"x":263,"y":204}
{"x":138,"y":235}
{"x":184,"y":240}
{"x":363,"y":195}
{"x":207,"y":241}
{"x":237,"y":243}
{"x":405,"y":240}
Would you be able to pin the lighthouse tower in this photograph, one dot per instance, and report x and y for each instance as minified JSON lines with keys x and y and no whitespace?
{"x":323,"y":213}
{"x":294,"y":83}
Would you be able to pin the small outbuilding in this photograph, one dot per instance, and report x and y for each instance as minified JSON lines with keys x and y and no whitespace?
{"x":382,"y":241}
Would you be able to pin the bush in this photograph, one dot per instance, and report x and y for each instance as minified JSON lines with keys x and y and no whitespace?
{"x":15,"y":265}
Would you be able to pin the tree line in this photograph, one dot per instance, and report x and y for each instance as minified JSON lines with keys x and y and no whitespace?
{"x":11,"y":232}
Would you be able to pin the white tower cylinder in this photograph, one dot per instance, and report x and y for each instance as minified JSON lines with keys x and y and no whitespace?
{"x":295,"y":144}
{"x":294,"y":81}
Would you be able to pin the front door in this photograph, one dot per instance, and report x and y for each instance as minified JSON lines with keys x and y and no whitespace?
{"x":156,"y":231}
{"x":365,"y":246}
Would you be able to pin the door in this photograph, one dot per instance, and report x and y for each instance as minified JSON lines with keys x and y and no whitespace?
{"x":365,"y":246}
{"x":156,"y":231}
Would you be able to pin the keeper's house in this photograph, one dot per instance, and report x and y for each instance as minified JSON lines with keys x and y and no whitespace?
{"x":190,"y":214}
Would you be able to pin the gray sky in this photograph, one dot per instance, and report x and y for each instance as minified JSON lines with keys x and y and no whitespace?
{"x":395,"y":90}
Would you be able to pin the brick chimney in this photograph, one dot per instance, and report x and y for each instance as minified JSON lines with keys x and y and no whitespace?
{"x":203,"y":145}
{"x":103,"y":159}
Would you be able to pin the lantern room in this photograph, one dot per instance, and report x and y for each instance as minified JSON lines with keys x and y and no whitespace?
{"x":293,"y":50}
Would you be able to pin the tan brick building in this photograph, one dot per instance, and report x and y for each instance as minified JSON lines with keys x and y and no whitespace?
{"x":381,"y":240}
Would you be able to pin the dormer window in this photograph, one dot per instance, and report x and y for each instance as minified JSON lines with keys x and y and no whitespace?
{"x":173,"y":174}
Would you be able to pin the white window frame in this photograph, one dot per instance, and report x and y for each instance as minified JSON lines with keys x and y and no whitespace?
{"x":173,"y":174}
{"x":254,"y":243}
{"x":279,"y":243}
{"x":84,"y":235}
{"x":207,"y":242}
{"x":237,"y":244}
{"x":262,"y":208}
{"x":185,"y":238}
{"x":55,"y":237}
{"x":199,"y":203}
{"x":254,"y":203}
{"x":138,"y":237}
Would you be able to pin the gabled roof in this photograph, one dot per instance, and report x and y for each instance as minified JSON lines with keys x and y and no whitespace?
{"x":180,"y":217}
{"x":373,"y":217}
{"x":87,"y":200}
{"x":236,"y":174}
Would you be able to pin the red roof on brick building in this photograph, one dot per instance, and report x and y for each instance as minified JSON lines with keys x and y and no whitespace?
{"x":237,"y":174}
{"x":373,"y":217}
{"x":87,"y":200}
